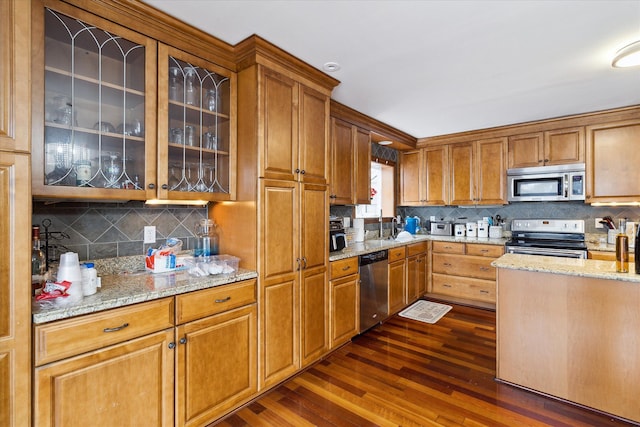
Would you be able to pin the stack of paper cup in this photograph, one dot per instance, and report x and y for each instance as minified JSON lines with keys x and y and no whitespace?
{"x":358,"y":225}
{"x":69,"y":270}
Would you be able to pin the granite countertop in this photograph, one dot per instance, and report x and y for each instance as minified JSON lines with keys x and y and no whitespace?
{"x":128,"y":288}
{"x":369,"y":246}
{"x":567,"y":266}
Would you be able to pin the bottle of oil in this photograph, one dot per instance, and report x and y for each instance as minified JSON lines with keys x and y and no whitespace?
{"x":622,"y":247}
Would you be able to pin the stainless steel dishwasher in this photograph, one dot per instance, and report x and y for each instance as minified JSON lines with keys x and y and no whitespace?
{"x":373,"y":288}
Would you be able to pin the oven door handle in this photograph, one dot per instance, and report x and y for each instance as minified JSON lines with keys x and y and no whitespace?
{"x":537,"y":251}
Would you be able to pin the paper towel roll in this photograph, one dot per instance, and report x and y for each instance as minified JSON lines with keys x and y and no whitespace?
{"x":358,"y":225}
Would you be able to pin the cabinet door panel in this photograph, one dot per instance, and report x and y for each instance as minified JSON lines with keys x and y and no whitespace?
{"x":313,"y":135}
{"x":278,"y":332}
{"x":102,"y":388}
{"x":314,"y":308}
{"x":94,"y":109}
{"x":564,"y":146}
{"x":491,"y":171}
{"x":313,"y":225}
{"x":216,"y":365}
{"x":14,"y":79}
{"x":396,"y":286}
{"x":436,"y":174}
{"x":280,"y":99}
{"x":612,"y":162}
{"x":462,"y":174}
{"x":410,"y":185}
{"x":344,"y":309}
{"x":362,"y":191}
{"x":526,"y":150}
{"x":15,"y":299}
{"x":342,"y":171}
{"x":279,"y":204}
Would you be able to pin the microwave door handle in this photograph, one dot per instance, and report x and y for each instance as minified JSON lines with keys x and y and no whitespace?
{"x":566,"y":186}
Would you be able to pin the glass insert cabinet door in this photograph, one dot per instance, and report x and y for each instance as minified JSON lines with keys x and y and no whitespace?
{"x":99,"y":125}
{"x":196,"y":127}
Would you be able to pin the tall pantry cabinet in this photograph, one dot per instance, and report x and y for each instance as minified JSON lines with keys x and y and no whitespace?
{"x":280,"y":218}
{"x":15,"y":211}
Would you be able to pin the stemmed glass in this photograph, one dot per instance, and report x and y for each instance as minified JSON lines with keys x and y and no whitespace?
{"x":112,"y":169}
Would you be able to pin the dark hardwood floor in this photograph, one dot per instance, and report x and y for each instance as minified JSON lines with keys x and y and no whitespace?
{"x":407,"y":373}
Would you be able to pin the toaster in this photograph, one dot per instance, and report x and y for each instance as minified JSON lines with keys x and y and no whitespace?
{"x":441,"y":228}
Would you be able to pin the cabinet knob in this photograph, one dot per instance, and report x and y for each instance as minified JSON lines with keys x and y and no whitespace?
{"x":297,"y":170}
{"x":303,"y":172}
{"x":165,"y":186}
{"x":152,"y":186}
{"x":183,"y":340}
{"x":172,"y":345}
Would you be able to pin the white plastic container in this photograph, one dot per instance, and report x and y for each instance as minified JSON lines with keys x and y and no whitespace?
{"x":89,"y":279}
{"x":472,"y":229}
{"x":483,"y":228}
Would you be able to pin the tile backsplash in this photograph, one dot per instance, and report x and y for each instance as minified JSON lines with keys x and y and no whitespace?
{"x":107,"y":230}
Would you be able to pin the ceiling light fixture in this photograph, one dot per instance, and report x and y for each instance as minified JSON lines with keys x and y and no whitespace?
{"x":385,"y":142}
{"x":628,"y":56}
{"x":331,"y":67}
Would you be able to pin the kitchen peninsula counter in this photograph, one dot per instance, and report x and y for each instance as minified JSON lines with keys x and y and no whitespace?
{"x":368,"y":246}
{"x":570,"y":328}
{"x":124,"y":289}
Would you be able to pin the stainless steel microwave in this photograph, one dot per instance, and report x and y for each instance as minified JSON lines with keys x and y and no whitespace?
{"x":546,"y":183}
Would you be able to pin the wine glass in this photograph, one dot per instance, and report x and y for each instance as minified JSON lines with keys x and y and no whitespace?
{"x":112,"y":169}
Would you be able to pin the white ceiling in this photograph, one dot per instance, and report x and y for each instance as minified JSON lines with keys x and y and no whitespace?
{"x":431,"y":67}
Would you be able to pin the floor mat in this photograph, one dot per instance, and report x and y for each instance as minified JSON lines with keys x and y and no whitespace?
{"x":425,"y":311}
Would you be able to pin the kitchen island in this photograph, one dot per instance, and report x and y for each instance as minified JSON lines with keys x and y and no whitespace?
{"x":570,"y":328}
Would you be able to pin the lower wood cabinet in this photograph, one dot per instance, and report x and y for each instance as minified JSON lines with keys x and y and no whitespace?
{"x":130,"y":382}
{"x":344,"y":301}
{"x":132,"y":366}
{"x":417,"y":269}
{"x":396,"y":295}
{"x":463,"y":270}
{"x":217,"y":354}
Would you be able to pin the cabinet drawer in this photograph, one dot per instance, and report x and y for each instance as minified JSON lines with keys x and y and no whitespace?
{"x":448,"y":247}
{"x":417,"y":248}
{"x":461,"y":265}
{"x":343,"y":267}
{"x":494,"y":251}
{"x":396,"y":254}
{"x":64,"y":338}
{"x":464,"y":287}
{"x":199,"y":304}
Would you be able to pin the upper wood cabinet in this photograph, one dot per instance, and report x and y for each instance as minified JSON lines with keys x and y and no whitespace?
{"x":119,"y":116}
{"x":478,"y":172}
{"x":424,"y":176}
{"x":554,"y":147}
{"x":612,"y":162}
{"x":350,"y":164}
{"x":196,"y":128}
{"x":295,"y":130}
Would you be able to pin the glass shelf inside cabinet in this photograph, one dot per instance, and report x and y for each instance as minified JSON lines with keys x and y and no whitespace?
{"x":198,"y":129}
{"x":94,"y":106}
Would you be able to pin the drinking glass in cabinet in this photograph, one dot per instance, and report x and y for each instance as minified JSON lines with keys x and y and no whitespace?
{"x":175,"y":84}
{"x":191,"y":87}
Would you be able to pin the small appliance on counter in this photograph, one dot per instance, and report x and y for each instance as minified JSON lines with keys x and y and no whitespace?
{"x":337,"y":236}
{"x":441,"y":228}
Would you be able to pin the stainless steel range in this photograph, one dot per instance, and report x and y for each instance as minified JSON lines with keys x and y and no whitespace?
{"x":550,"y":237}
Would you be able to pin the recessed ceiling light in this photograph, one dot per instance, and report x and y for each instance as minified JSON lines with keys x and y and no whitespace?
{"x":385,"y":142}
{"x":331,"y":66}
{"x":628,"y":56}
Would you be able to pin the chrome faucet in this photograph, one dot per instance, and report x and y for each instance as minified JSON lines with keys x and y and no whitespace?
{"x":394,"y":223}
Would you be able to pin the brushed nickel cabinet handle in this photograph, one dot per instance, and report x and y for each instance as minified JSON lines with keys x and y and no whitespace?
{"x":446,"y":264}
{"x":346,"y":268}
{"x":484,"y":268}
{"x":183,"y":340}
{"x":218,"y":301}
{"x":117,"y":328}
{"x":446,"y":285}
{"x":482,"y":291}
{"x":171,"y":345}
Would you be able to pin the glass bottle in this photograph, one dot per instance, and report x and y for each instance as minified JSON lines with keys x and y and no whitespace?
{"x":191,"y":87}
{"x":637,"y":249}
{"x":38,"y":261}
{"x":622,"y":247}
